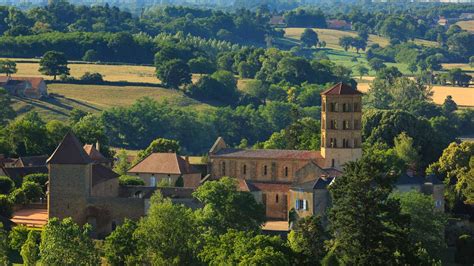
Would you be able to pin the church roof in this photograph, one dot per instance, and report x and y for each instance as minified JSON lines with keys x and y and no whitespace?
{"x":69,"y":151}
{"x":268,"y":154}
{"x":341,"y":89}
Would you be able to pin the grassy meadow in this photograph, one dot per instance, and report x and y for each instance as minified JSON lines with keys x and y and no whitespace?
{"x":466,"y":25}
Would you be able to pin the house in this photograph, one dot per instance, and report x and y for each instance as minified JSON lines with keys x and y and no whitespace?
{"x":31,"y":161}
{"x":166,"y":167}
{"x":277,"y":21}
{"x":429,"y":185}
{"x":338,"y":24}
{"x":276,"y":176}
{"x":96,"y":156}
{"x":29,"y":87}
{"x":18,"y":173}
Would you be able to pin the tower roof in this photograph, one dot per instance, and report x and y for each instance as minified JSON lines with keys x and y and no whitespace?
{"x":69,"y":151}
{"x":341,"y":89}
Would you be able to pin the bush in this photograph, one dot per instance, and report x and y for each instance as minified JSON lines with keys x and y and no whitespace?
{"x":179,"y":182}
{"x":30,"y":249}
{"x":92,"y":77}
{"x":32,"y":190}
{"x":127,"y":180}
{"x":18,"y":196}
{"x":91,"y":56}
{"x":6,"y":185}
{"x":18,"y":236}
{"x":6,"y":206}
{"x":40,"y":179}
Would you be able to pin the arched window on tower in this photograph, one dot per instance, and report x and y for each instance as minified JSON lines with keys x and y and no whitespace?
{"x":223,"y":168}
{"x":265,"y":170}
{"x":286,"y":171}
{"x":244,"y":170}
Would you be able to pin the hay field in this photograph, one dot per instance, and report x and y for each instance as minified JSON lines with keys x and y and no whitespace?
{"x":462,"y":96}
{"x":466,"y":25}
{"x":331,"y":37}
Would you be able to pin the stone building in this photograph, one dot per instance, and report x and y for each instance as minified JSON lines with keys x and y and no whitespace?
{"x":30,"y":87}
{"x":168,"y":168}
{"x":285,"y":179}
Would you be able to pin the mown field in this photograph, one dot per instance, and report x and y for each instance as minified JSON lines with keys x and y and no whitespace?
{"x":466,"y":25}
{"x":331,"y":37}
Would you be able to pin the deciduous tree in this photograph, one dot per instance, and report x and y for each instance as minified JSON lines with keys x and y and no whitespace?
{"x":120,"y":246}
{"x":8,"y":67}
{"x":54,"y":63}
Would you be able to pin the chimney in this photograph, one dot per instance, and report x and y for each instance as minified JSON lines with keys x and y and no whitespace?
{"x":97,"y":146}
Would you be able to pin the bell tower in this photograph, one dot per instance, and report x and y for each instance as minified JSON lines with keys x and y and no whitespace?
{"x":341,"y":114}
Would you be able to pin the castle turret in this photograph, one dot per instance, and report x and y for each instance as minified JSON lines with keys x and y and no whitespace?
{"x":70,"y":180}
{"x":341,"y":114}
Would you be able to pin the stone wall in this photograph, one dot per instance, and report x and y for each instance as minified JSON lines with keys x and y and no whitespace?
{"x":276,"y":205}
{"x":302,"y":195}
{"x":106,"y":189}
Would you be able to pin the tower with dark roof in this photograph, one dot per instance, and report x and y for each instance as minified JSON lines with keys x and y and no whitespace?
{"x":341,"y":114}
{"x":70,"y":180}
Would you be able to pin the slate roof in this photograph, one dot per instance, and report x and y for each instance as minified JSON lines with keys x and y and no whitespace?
{"x":163,"y":163}
{"x":341,"y":89}
{"x":323,"y":183}
{"x":69,"y":151}
{"x":94,"y":154}
{"x":268,"y":154}
{"x":30,"y":161}
{"x":101,"y":174}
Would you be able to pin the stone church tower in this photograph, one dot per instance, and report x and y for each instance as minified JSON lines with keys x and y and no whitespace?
{"x":70,"y":180}
{"x":341,"y":114}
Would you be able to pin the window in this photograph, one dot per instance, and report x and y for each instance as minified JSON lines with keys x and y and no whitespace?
{"x":346,"y":124}
{"x":152,"y":181}
{"x":245,"y":169}
{"x":333,"y":124}
{"x":286,"y":171}
{"x":301,"y":204}
{"x":265,"y":170}
{"x":438,"y":203}
{"x":345,"y":143}
{"x":223,"y":168}
{"x":276,"y":198}
{"x":333,"y":163}
{"x":114,"y":225}
{"x":333,"y":143}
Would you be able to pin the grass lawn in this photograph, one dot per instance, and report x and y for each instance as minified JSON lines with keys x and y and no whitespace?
{"x":96,"y":98}
{"x":466,"y":25}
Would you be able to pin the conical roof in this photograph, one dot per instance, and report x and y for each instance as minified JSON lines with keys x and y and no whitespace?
{"x":69,"y":151}
{"x":341,"y":89}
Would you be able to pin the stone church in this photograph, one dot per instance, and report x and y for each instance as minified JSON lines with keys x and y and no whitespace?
{"x":293,"y":179}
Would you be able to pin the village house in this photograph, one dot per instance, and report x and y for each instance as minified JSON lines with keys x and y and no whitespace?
{"x":338,"y":24}
{"x":160,"y":168}
{"x":29,"y":87}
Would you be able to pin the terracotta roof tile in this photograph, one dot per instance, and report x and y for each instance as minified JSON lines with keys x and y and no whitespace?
{"x":163,"y":163}
{"x":268,"y":154}
{"x":70,"y":151}
{"x":269,"y":186}
{"x":341,"y":89}
{"x":94,"y":154}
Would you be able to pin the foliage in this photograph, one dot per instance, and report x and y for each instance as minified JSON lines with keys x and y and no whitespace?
{"x":244,"y":248}
{"x":6,"y":185}
{"x":30,"y":249}
{"x":168,"y":234}
{"x":18,"y":236}
{"x":160,"y":145}
{"x":201,"y":65}
{"x":405,"y":150}
{"x":455,"y":168}
{"x":366,"y":224}
{"x":92,"y":78}
{"x":33,"y":191}
{"x":66,"y":237}
{"x":426,"y":223}
{"x":53,"y":63}
{"x":120,"y":246}
{"x":3,"y":245}
{"x":27,"y":135}
{"x":6,"y":110}
{"x":307,"y":240}
{"x":226,"y":208}
{"x":122,"y":165}
{"x":309,"y":38}
{"x":40,"y":179}
{"x":6,"y":206}
{"x":173,"y":73}
{"x":303,"y":134}
{"x":8,"y":67}
{"x":90,"y":129}
{"x":126,"y":180}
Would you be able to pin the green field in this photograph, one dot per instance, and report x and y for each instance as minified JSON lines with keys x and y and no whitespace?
{"x":96,"y":98}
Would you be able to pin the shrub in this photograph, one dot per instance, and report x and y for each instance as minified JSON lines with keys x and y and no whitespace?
{"x":127,"y":180}
{"x":32,"y":190}
{"x":6,"y":208}
{"x":6,"y":185}
{"x":18,"y":196}
{"x":18,"y":236}
{"x":179,"y":182}
{"x":30,"y":249}
{"x":92,"y":77}
{"x":40,"y":179}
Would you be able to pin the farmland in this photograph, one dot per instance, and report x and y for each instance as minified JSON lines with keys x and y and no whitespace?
{"x":466,"y":25}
